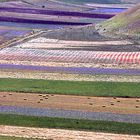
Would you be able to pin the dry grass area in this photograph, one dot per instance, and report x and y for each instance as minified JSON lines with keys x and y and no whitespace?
{"x":67,"y":77}
{"x":42,"y":42}
{"x":56,"y":64}
{"x":68,"y":102}
{"x":59,"y":134}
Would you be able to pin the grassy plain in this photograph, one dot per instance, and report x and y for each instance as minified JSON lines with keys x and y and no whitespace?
{"x":45,"y":122}
{"x":115,"y":89}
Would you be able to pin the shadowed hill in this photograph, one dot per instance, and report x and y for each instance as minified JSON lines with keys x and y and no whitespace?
{"x":124,"y":25}
{"x":93,"y":1}
{"x":130,"y":1}
{"x":101,"y":1}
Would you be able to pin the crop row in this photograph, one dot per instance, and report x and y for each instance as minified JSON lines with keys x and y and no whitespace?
{"x":72,"y":70}
{"x":108,"y":10}
{"x":12,"y":33}
{"x":43,"y":55}
{"x":13,"y":4}
{"x":8,"y":34}
{"x":39,"y":21}
{"x":53,"y":12}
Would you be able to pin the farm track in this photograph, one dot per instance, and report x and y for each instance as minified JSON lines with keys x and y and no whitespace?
{"x":9,"y":35}
{"x":60,"y":134}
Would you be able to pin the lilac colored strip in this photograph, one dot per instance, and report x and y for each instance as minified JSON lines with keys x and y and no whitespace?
{"x":52,"y":12}
{"x":108,"y":10}
{"x":79,"y":70}
{"x":60,"y":113}
{"x":20,"y":20}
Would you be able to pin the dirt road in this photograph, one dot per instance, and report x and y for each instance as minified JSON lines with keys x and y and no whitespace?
{"x":58,"y":134}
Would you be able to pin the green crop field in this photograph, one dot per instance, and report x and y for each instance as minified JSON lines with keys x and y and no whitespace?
{"x":45,"y":122}
{"x":118,"y":89}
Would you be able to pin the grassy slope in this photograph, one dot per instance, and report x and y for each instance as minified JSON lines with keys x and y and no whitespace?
{"x":93,"y":1}
{"x":15,"y":138}
{"x":45,"y":122}
{"x":127,"y":22}
{"x":130,"y":1}
{"x":71,"y":87}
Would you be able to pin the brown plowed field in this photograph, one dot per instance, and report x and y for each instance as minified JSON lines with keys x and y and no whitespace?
{"x":67,"y":102}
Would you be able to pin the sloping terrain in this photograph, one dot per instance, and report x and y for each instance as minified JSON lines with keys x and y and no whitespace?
{"x":93,"y":1}
{"x":83,"y":33}
{"x":101,"y":1}
{"x":124,"y":25}
{"x":130,"y":1}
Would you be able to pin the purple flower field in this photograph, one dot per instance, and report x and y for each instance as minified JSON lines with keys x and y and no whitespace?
{"x":61,"y":113}
{"x":32,"y":21}
{"x":8,"y":34}
{"x":73,"y":70}
{"x":59,"y":13}
{"x":108,"y":10}
{"x":14,"y":33}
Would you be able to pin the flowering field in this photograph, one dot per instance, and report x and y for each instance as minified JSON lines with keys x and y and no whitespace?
{"x":41,"y":55}
{"x":108,"y":10}
{"x":72,"y":70}
{"x":54,"y":12}
{"x":14,"y":11}
{"x":7,"y":34}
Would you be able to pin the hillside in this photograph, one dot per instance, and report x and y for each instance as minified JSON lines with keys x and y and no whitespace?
{"x":93,"y":1}
{"x":124,"y":25}
{"x":101,"y":1}
{"x":130,"y":1}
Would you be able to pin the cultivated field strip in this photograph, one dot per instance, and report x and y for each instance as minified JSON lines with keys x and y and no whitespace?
{"x":55,"y":12}
{"x":38,"y":21}
{"x":108,"y":10}
{"x":15,"y":4}
{"x":72,"y":70}
{"x":8,"y":34}
{"x":70,"y":102}
{"x":61,"y":134}
{"x":72,"y":114}
{"x":43,"y":55}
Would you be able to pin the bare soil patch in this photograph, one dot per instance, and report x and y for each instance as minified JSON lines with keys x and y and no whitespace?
{"x":55,"y":44}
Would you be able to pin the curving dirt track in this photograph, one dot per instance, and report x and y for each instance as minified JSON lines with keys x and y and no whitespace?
{"x":58,"y":134}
